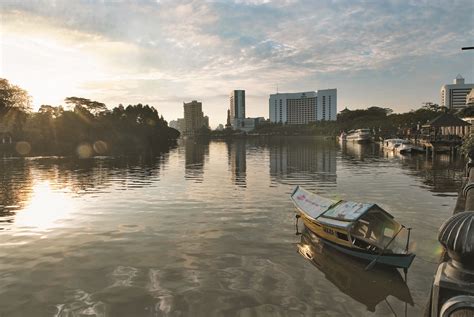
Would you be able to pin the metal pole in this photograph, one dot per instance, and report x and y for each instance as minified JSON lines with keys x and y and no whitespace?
{"x":408,"y":240}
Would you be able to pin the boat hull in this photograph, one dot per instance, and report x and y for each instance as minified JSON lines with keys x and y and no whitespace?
{"x":395,"y":260}
{"x":360,"y":140}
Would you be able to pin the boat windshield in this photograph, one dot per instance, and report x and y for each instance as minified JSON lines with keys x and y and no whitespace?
{"x":375,"y":228}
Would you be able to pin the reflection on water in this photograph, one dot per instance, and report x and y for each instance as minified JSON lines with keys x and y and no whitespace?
{"x":196,"y":151}
{"x":350,"y":277}
{"x":208,"y":229}
{"x":303,"y":160}
{"x":45,"y":207}
{"x":237,"y":157}
{"x":440,"y":174}
{"x":43,"y":188}
{"x":355,"y":151}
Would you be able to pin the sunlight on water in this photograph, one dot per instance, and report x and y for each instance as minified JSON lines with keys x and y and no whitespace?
{"x":46,"y":207}
{"x":208,"y":229}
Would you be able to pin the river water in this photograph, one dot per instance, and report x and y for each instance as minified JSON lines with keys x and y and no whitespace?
{"x":208,"y":230}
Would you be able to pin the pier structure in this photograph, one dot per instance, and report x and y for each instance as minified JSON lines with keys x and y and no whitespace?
{"x":444,"y":133}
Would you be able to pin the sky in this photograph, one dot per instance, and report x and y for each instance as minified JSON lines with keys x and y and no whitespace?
{"x":393,"y":54}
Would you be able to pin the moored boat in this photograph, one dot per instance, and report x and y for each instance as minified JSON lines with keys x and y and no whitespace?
{"x":361,"y":230}
{"x":359,"y":136}
{"x":398,"y":146}
{"x":342,"y":137}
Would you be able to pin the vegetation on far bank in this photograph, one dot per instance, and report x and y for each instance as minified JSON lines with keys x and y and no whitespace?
{"x":86,"y":127}
{"x":383,"y":121}
{"x":83,"y":127}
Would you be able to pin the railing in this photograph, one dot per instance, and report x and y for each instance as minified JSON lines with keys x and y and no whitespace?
{"x":452,"y":293}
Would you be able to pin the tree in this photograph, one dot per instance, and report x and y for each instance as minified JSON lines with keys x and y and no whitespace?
{"x":15,"y":104}
{"x":13,"y":97}
{"x":51,"y":111}
{"x":466,"y":112}
{"x":431,"y":106}
{"x":93,"y":107}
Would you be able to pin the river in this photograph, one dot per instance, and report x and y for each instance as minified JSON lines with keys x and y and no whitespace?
{"x":208,"y":229}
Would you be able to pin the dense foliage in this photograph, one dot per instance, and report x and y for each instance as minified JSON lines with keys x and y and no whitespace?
{"x":382,"y":120}
{"x":87,"y":128}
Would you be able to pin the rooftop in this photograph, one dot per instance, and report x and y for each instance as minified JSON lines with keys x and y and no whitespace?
{"x":447,"y":120}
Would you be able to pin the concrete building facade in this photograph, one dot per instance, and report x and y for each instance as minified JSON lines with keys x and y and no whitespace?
{"x":177,"y":124}
{"x":453,"y":96}
{"x":193,"y":117}
{"x":237,"y":108}
{"x":303,"y":107}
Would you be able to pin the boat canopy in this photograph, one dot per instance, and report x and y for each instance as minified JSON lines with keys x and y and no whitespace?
{"x":365,"y":221}
{"x":317,"y":206}
{"x":347,"y":210}
{"x":311,"y":204}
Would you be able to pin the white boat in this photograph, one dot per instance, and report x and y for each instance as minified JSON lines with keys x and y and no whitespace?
{"x":359,"y":136}
{"x":398,"y":146}
{"x":342,"y":137}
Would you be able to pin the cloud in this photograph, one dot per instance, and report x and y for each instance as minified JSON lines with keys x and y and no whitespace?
{"x":160,"y":50}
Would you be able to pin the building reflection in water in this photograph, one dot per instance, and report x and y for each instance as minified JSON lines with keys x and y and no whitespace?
{"x":303,"y":161}
{"x":196,"y":152}
{"x":350,"y":277}
{"x":237,"y":161}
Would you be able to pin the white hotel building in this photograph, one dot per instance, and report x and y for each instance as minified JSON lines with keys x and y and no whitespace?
{"x":454,"y":96}
{"x":303,"y":107}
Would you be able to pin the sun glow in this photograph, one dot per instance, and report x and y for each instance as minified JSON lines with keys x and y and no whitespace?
{"x":46,"y":208}
{"x":50,"y":64}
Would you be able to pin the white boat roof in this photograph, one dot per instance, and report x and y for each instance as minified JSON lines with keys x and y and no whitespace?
{"x":335,"y":223}
{"x":397,"y":140}
{"x":348,"y":210}
{"x":311,"y":204}
{"x":339,"y":213}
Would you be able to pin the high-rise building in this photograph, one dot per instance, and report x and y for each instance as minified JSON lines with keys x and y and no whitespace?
{"x":177,"y":124}
{"x":205,"y":122}
{"x":237,"y":108}
{"x":453,"y":96}
{"x":303,"y":107}
{"x":193,"y":117}
{"x":470,"y":98}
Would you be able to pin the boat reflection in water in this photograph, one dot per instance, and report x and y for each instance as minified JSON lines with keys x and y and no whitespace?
{"x":349,"y":275}
{"x":359,"y":151}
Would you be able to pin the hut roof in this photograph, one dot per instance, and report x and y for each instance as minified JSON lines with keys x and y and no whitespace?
{"x":447,"y":120}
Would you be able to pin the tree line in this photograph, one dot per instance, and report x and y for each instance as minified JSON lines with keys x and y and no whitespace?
{"x":383,"y":121}
{"x":84,"y":127}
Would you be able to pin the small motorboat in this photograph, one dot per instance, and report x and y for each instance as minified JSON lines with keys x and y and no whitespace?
{"x":361,"y":230}
{"x":400,"y":146}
